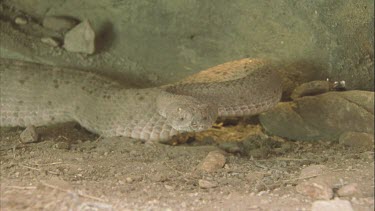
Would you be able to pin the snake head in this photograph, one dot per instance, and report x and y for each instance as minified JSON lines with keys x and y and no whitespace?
{"x":186,"y":113}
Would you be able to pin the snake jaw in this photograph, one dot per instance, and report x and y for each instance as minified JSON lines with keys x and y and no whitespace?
{"x":185,"y":113}
{"x":191,"y":116}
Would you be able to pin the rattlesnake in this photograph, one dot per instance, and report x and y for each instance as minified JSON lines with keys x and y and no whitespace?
{"x":35,"y":94}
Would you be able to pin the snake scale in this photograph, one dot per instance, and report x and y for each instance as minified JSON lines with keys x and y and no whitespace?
{"x":36,"y":94}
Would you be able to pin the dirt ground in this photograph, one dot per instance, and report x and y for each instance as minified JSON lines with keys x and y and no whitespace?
{"x":70,"y":169}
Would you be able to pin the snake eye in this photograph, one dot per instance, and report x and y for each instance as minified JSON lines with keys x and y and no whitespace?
{"x":182,"y":119}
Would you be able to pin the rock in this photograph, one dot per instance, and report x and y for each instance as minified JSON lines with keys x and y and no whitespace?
{"x":50,"y":41}
{"x":80,"y":39}
{"x":325,"y":116}
{"x":214,"y":160}
{"x":206,"y":184}
{"x":310,"y":88}
{"x":357,"y":140}
{"x":333,"y":205}
{"x":349,"y":190}
{"x":29,"y":135}
{"x":313,"y":170}
{"x":59,"y":23}
{"x":315,"y":190}
{"x":20,"y":20}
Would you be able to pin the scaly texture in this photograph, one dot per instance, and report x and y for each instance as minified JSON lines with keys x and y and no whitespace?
{"x":34,"y":94}
{"x":237,"y":88}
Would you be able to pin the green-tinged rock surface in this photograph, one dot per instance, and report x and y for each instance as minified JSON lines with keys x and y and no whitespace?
{"x":324,"y":116}
{"x":162,"y":41}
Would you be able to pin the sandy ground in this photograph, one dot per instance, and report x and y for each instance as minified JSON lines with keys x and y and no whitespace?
{"x":71,"y":169}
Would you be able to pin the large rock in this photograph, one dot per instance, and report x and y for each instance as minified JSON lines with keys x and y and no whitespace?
{"x":325,"y":116}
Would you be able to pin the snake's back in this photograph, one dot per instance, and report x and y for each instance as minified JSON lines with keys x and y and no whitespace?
{"x":239,"y":88}
{"x":35,"y":94}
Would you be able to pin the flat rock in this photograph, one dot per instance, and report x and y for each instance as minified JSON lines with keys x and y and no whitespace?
{"x":332,"y":205}
{"x":80,"y":39}
{"x":357,"y":140}
{"x":324,"y":116}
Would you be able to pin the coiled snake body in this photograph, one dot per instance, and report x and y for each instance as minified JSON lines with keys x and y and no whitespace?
{"x":35,"y":94}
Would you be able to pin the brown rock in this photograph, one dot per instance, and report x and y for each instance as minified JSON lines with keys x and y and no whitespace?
{"x":29,"y":135}
{"x":214,"y":160}
{"x":349,"y":190}
{"x":357,"y":140}
{"x":315,"y":190}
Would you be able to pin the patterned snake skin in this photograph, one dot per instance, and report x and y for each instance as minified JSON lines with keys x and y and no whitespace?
{"x":35,"y":94}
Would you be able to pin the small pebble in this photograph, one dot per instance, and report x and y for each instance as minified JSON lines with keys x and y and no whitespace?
{"x":206,"y":184}
{"x":20,"y":20}
{"x":315,"y":190}
{"x":313,"y":170}
{"x":59,"y":23}
{"x":29,"y":135}
{"x":50,"y":41}
{"x":80,"y":39}
{"x":333,"y":205}
{"x":357,"y":140}
{"x":214,"y":160}
{"x":348,"y":190}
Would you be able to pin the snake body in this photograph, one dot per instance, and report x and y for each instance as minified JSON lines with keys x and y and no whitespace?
{"x":35,"y":94}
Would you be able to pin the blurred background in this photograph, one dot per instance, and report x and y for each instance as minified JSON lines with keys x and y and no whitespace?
{"x":153,"y":42}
